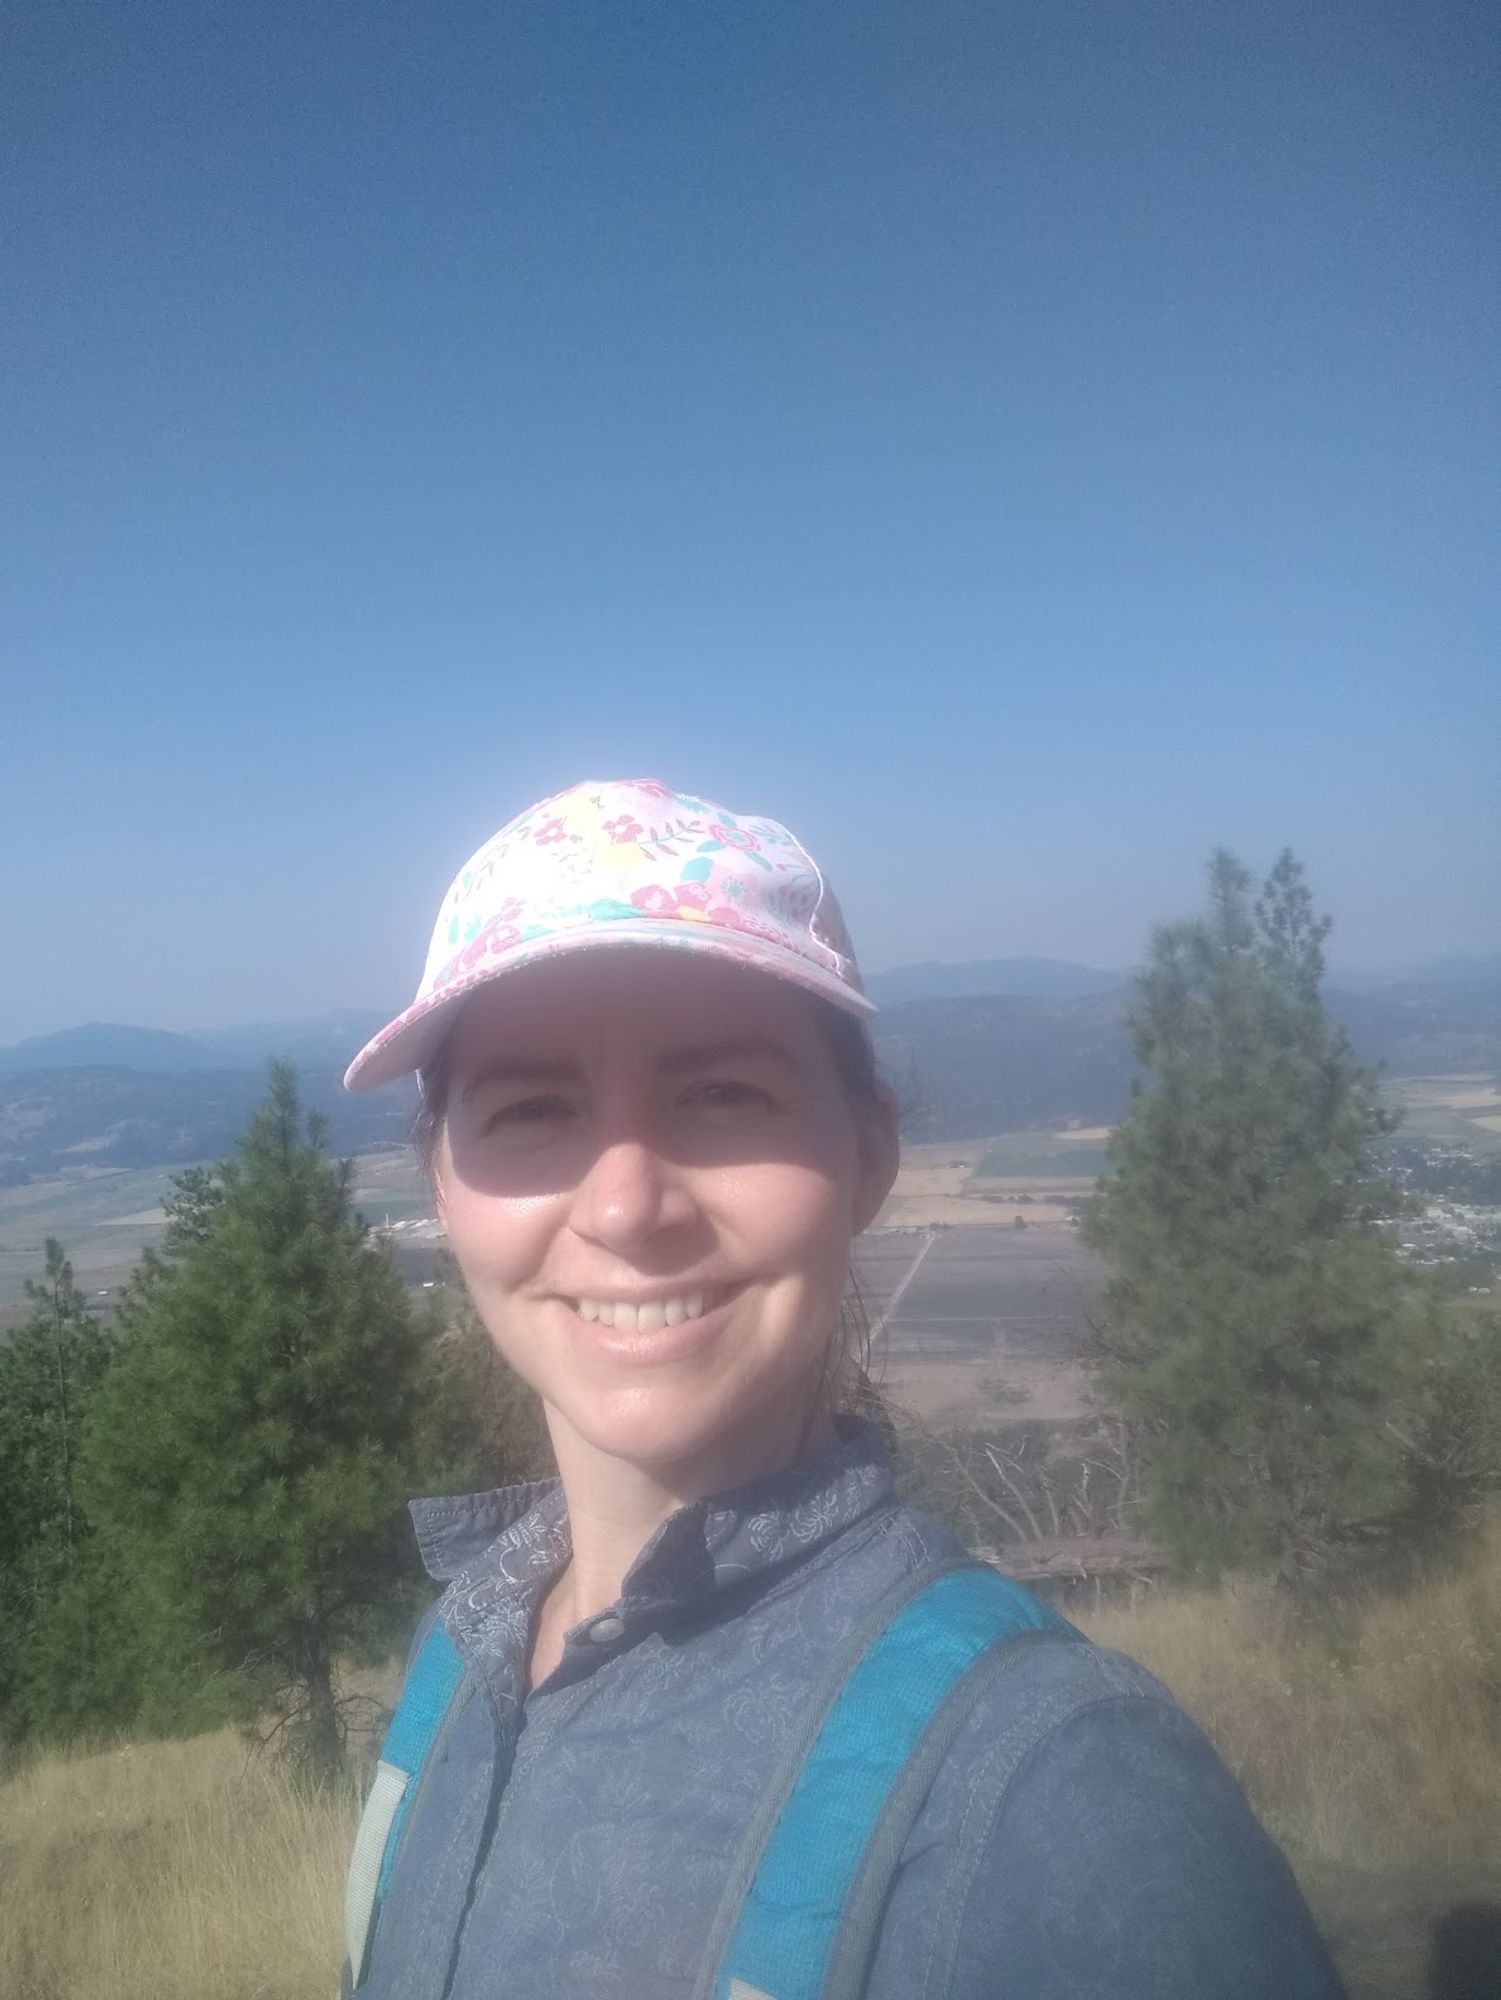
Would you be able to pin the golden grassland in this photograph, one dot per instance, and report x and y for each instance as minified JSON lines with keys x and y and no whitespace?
{"x":1371,"y":1746}
{"x":169,"y":1871}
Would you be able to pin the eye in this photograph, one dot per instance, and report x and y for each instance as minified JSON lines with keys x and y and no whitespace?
{"x":727,"y":1094}
{"x":527,"y":1113}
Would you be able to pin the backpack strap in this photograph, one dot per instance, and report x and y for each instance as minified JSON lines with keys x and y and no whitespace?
{"x":425,"y":1700}
{"x":801,"y":1910}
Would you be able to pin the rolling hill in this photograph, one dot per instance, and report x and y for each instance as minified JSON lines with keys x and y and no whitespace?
{"x":109,"y":1045}
{"x":965,"y":1060}
{"x":1025,"y":978}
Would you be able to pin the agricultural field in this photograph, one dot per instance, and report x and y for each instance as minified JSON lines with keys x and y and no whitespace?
{"x":980,"y":1324}
{"x":391,"y":1188}
{"x":1449,"y":1111}
{"x":103,"y":1221}
{"x":1075,"y":1156}
{"x":977,"y":1287}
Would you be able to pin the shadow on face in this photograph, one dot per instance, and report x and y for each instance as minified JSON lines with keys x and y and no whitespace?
{"x":697,"y":1065}
{"x":631,"y":1130}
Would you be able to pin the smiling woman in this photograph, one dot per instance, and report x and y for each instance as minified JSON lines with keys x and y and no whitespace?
{"x":602,"y":1167}
{"x":713,"y":1716}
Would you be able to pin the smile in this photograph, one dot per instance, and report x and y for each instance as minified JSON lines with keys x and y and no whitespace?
{"x":650,"y":1316}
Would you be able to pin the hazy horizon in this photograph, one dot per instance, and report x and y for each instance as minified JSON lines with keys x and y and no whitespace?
{"x":1336,"y":972}
{"x":175,"y":1013}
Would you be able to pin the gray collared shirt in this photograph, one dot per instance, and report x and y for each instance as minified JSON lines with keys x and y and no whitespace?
{"x":1082,"y":1838}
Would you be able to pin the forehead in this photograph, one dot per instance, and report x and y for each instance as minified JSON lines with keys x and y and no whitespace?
{"x":628,"y":1004}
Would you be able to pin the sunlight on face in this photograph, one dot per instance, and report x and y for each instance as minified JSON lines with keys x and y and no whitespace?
{"x":650,"y":1173}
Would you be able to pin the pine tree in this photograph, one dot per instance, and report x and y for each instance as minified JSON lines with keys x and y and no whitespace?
{"x":49,"y":1372}
{"x":1456,"y":1432}
{"x":153,"y":1667}
{"x":1258,"y":1323}
{"x":478,"y":1424}
{"x":253,"y":1448}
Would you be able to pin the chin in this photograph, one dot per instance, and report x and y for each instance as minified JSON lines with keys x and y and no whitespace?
{"x":659,"y":1429}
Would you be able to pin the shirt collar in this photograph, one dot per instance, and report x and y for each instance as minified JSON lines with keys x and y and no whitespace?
{"x":497,"y":1551}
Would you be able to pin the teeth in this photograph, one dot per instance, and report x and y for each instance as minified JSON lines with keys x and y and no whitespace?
{"x":648,"y":1318}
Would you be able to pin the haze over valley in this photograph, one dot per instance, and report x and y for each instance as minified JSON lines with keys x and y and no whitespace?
{"x":1010,"y":1073}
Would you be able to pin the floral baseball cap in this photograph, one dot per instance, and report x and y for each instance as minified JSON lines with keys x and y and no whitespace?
{"x":615,"y":863}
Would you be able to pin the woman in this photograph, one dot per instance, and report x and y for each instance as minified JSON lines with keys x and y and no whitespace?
{"x":654,"y":1128}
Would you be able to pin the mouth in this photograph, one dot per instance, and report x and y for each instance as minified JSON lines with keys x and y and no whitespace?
{"x":635,"y":1316}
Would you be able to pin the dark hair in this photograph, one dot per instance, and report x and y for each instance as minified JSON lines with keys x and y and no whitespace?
{"x":854,"y":1054}
{"x":432,"y":1102}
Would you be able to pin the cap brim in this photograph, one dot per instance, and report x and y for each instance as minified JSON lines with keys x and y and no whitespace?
{"x":414,"y":1037}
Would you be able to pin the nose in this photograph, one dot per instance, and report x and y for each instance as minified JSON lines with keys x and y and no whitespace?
{"x":630,"y":1195}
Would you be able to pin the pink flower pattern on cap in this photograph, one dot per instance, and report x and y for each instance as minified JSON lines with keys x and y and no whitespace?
{"x":622,"y":862}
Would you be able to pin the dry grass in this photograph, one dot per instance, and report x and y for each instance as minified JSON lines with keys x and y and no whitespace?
{"x":169,"y":1871}
{"x":1371,"y":1747}
{"x":190,"y":1871}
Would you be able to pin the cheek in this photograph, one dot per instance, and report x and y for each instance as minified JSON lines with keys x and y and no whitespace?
{"x":797,"y":1220}
{"x":497,"y":1243}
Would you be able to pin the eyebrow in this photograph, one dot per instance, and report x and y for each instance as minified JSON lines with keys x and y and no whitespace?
{"x":518,"y":1069}
{"x":676,"y":1062}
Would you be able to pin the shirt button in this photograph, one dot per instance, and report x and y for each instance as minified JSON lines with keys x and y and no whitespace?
{"x":603,"y":1630}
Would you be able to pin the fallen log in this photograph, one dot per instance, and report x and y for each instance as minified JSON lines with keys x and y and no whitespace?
{"x":1077,"y":1558}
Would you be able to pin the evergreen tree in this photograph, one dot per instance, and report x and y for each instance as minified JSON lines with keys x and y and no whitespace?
{"x":253,"y":1447}
{"x":1259,"y":1323}
{"x":478,"y":1424}
{"x":1456,"y":1434}
{"x":196,"y":1193}
{"x":154,"y":1666}
{"x":49,"y":1371}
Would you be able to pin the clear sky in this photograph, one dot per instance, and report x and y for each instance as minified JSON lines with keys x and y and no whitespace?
{"x":1020,"y":443}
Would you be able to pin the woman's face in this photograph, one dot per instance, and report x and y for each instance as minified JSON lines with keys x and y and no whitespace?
{"x":650,"y":1174}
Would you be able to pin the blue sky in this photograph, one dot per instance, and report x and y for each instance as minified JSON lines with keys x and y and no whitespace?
{"x":1020,"y":445}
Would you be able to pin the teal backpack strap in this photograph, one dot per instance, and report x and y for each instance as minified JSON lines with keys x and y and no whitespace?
{"x":430,"y":1688}
{"x":804,"y":1902}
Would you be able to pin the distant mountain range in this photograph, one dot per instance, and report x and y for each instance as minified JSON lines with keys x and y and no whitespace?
{"x":108,"y":1045}
{"x":972,"y":1048}
{"x":966,"y":1066}
{"x":107,"y":1095}
{"x":56,"y":1120}
{"x":1003,"y":1043}
{"x":1062,"y":979}
{"x":1453,"y":970}
{"x":1020,"y":978}
{"x":329,"y":1040}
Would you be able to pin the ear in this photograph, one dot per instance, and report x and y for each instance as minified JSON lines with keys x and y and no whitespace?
{"x":880,"y":1156}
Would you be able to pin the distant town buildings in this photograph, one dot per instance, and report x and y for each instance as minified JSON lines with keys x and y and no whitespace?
{"x":1445,"y":1223}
